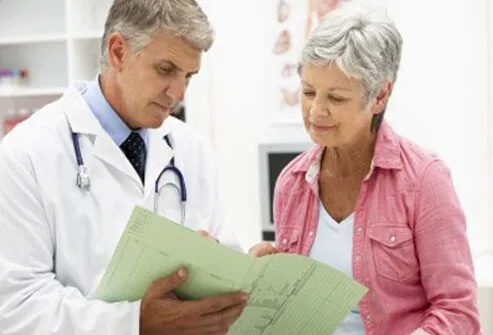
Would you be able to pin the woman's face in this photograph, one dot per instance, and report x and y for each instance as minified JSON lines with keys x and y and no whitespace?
{"x":333,"y":106}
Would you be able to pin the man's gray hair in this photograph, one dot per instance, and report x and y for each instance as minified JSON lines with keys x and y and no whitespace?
{"x":139,"y":20}
{"x":362,"y":41}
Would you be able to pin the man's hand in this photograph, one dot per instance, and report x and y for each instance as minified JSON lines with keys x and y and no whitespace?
{"x":205,"y":234}
{"x":263,"y":249}
{"x":162,"y":313}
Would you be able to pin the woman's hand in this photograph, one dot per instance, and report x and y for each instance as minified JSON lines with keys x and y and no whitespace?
{"x":263,"y":249}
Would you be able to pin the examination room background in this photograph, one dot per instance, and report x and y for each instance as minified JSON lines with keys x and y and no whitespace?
{"x":443,"y":98}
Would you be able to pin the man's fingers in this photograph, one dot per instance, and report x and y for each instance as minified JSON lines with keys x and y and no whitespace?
{"x":165,"y":286}
{"x":216,"y":304}
{"x":219,"y":322}
{"x":226,"y":317}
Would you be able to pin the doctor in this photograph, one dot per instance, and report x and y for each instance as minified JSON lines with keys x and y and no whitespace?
{"x":71,"y":175}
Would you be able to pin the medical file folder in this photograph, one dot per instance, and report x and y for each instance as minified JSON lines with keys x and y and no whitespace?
{"x":288,"y":294}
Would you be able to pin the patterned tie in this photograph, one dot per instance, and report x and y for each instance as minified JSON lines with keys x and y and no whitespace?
{"x":135,"y":150}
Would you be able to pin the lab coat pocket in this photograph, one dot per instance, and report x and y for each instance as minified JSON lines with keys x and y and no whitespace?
{"x":393,"y":251}
{"x":288,"y":240}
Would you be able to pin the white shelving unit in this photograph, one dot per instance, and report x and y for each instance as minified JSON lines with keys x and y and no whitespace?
{"x":57,"y":41}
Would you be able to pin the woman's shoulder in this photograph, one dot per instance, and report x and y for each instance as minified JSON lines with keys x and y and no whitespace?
{"x":417,"y":160}
{"x":400,"y":150}
{"x":416,"y":156}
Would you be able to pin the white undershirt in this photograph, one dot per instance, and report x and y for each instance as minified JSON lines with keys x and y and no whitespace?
{"x":333,"y":246}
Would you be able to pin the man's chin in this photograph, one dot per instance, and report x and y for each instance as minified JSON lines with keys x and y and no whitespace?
{"x":158,"y":122}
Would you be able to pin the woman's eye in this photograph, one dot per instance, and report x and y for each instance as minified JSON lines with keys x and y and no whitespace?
{"x":309,"y":93}
{"x":336,"y":99}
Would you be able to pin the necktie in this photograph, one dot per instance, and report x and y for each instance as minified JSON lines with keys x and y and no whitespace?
{"x":135,"y":150}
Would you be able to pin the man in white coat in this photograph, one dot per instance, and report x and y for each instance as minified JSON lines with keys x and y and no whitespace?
{"x":57,"y":236}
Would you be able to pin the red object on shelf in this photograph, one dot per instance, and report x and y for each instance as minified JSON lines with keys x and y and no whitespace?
{"x":13,"y":118}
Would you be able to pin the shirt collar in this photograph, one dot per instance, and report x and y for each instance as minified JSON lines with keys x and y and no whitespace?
{"x":108,"y":118}
{"x":386,"y":155}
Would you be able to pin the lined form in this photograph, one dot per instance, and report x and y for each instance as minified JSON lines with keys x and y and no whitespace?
{"x":288,"y":294}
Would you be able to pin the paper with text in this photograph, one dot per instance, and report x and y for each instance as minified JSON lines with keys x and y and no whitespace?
{"x":289,"y":294}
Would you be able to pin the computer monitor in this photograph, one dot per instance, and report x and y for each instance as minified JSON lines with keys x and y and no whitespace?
{"x":273,"y":158}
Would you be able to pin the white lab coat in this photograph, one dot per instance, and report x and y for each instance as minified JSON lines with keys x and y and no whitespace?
{"x":56,"y":240}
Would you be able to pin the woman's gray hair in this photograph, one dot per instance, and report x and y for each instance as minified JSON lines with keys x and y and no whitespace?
{"x":139,"y":20}
{"x":363,"y":42}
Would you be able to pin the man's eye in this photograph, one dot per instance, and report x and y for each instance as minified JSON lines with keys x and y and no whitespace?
{"x":165,"y":70}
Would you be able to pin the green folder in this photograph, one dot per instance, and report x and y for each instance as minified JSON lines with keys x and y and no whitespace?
{"x":288,"y":294}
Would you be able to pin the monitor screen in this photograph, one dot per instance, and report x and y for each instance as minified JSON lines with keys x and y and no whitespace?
{"x":277,"y":161}
{"x":273,"y":159}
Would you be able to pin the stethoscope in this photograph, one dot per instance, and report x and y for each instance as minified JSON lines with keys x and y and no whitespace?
{"x":84,"y":180}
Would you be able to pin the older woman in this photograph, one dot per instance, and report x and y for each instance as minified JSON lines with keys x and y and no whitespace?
{"x":365,"y":200}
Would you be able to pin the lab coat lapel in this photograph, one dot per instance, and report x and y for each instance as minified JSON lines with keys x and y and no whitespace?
{"x":106,"y":150}
{"x":159,"y":155}
{"x":83,"y":122}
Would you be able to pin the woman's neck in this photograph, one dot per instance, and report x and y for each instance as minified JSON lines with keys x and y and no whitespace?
{"x":349,"y":160}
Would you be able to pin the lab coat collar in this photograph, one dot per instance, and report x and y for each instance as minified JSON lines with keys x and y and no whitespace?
{"x":82,"y":121}
{"x":79,"y":115}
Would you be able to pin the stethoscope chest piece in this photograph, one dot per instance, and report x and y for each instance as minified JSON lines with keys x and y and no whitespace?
{"x":83,"y":178}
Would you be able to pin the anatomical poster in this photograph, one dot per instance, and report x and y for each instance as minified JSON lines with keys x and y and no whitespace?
{"x":295,"y":20}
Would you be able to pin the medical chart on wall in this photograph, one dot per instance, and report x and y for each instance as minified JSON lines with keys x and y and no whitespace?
{"x":295,"y":20}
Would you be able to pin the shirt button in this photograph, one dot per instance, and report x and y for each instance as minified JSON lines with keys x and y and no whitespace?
{"x":368,"y":318}
{"x":359,"y":230}
{"x":284,"y":241}
{"x":392,"y":239}
{"x":310,"y":233}
{"x":357,"y":258}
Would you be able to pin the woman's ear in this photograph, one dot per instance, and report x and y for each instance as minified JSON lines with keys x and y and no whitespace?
{"x":381,"y":99}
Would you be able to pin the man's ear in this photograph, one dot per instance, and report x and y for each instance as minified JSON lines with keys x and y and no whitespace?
{"x":118,"y":51}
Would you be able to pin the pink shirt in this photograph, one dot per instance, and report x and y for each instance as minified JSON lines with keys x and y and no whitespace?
{"x":410,"y":244}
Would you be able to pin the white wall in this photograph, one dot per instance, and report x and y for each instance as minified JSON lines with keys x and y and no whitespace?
{"x":440,"y":99}
{"x":242,"y":100}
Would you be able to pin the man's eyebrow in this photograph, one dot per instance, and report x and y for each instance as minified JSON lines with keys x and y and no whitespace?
{"x":176,"y":67}
{"x":169,"y":63}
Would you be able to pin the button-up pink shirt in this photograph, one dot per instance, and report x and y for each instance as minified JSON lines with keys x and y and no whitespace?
{"x":410,"y":244}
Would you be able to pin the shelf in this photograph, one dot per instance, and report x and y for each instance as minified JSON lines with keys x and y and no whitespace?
{"x":22,"y":92}
{"x":33,"y":39}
